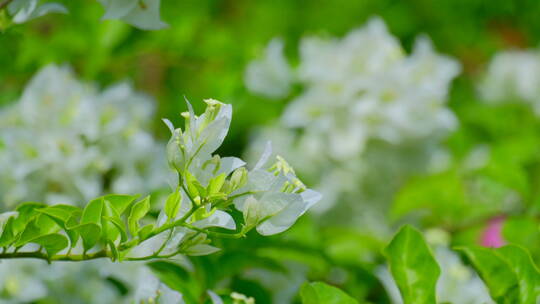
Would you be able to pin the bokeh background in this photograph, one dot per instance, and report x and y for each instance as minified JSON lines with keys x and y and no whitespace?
{"x":486,"y":177}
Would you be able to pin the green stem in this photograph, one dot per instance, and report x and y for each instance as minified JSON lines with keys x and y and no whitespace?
{"x":62,"y":257}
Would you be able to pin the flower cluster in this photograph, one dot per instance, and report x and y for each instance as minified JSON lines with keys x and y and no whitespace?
{"x":359,"y":93}
{"x":511,"y":76}
{"x":362,"y":87}
{"x":64,"y":141}
{"x":208,"y":190}
{"x":143,"y":14}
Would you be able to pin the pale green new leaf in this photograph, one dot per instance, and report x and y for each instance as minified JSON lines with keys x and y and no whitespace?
{"x":508,"y":272}
{"x":138,"y":211}
{"x":120,"y":202}
{"x":413,"y":266}
{"x":53,"y":243}
{"x":90,"y":227}
{"x":64,"y":216}
{"x":321,"y":293}
{"x":173,"y":204}
{"x":526,"y":271}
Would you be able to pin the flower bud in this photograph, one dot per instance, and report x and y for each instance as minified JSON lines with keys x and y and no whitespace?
{"x":175,"y":151}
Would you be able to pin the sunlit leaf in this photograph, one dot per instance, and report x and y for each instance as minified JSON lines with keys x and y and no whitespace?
{"x":413,"y":266}
{"x":321,"y":293}
{"x":138,"y":211}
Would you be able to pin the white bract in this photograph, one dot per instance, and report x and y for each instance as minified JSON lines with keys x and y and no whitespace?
{"x":25,"y":10}
{"x":270,"y":196}
{"x":362,"y":96}
{"x":59,"y":143}
{"x":271,"y":75}
{"x":143,"y":14}
{"x":513,"y":76}
{"x":65,"y":142}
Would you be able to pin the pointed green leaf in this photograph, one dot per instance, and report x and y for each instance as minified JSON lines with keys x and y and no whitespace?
{"x":321,"y":293}
{"x":215,"y":184}
{"x":172,"y":204}
{"x":194,"y":187}
{"x":526,"y":271}
{"x":413,"y":266}
{"x":65,"y":216}
{"x":120,"y":202}
{"x":114,"y":251}
{"x":110,"y":223}
{"x":27,"y":211}
{"x":92,"y":212}
{"x":53,"y":243}
{"x":145,"y":231}
{"x":138,"y":211}
{"x":8,"y":236}
{"x":59,"y":213}
{"x":508,"y":272}
{"x":90,"y":234}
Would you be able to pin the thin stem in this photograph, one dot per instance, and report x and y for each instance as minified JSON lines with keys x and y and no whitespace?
{"x":213,"y":233}
{"x":62,"y":257}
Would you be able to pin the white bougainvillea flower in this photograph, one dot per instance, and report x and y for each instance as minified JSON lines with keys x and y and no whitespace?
{"x":363,"y":87}
{"x":277,"y":197}
{"x":143,"y":14}
{"x":513,"y":76}
{"x":61,"y":127}
{"x":270,"y":195}
{"x":270,"y":76}
{"x":362,"y":95}
{"x":25,"y":10}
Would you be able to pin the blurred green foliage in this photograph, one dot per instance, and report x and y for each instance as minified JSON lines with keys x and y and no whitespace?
{"x":208,"y":44}
{"x":204,"y":53}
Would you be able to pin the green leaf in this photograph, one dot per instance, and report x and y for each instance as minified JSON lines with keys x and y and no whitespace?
{"x":30,"y":233}
{"x":526,"y":271}
{"x":145,"y":231}
{"x":509,"y":273}
{"x":177,"y":278}
{"x":8,"y":236}
{"x":215,"y":184}
{"x":90,"y":234}
{"x":90,"y":227}
{"x":59,"y":213}
{"x":27,"y":211}
{"x":114,"y":251}
{"x":111,"y":223}
{"x":172,"y":204}
{"x":65,"y":216}
{"x":138,"y":211}
{"x":413,"y":266}
{"x":53,"y":243}
{"x":120,"y":202}
{"x":321,"y":293}
{"x":92,"y":212}
{"x":194,"y":187}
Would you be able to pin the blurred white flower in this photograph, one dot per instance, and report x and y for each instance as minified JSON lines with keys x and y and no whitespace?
{"x":25,"y":10}
{"x":368,"y":114}
{"x":143,"y":14}
{"x":513,"y":76}
{"x":271,"y":75}
{"x":65,"y":142}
